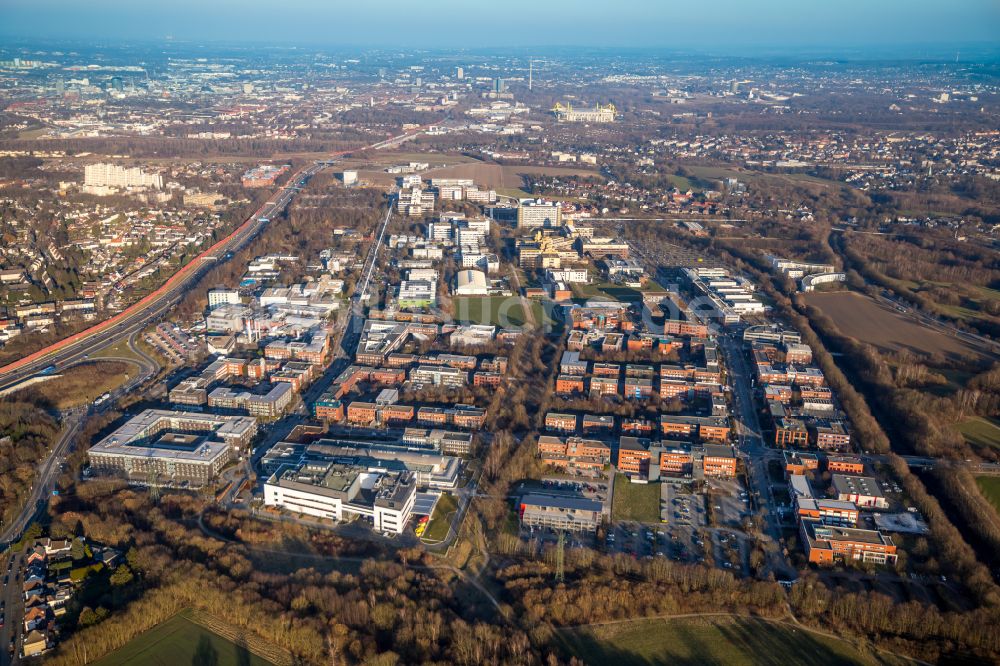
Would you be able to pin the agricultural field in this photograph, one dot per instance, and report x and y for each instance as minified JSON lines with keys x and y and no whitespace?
{"x":635,"y":501}
{"x":980,"y":432}
{"x":725,"y":640}
{"x":880,"y":325}
{"x":181,"y":640}
{"x":504,"y":178}
{"x":989,"y":486}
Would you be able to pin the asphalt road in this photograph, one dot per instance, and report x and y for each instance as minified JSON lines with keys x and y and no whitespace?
{"x":755,"y":454}
{"x":12,"y":609}
{"x":47,"y":473}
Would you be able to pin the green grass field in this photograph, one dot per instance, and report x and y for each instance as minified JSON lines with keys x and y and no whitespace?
{"x":635,"y":501}
{"x":437,"y":528}
{"x":980,"y":432}
{"x":181,"y":641}
{"x":989,"y":486}
{"x":612,"y":291}
{"x":716,"y":640}
{"x":495,"y":310}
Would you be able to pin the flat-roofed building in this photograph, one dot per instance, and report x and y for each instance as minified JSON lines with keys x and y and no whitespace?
{"x":827,"y":544}
{"x":331,"y":490}
{"x":576,"y":514}
{"x":634,"y":456}
{"x":828,"y":511}
{"x":845,"y":465}
{"x":719,"y":461}
{"x":862,"y":490}
{"x":598,"y":423}
{"x":172,"y":447}
{"x":436,"y":375}
{"x":561,"y":422}
{"x":271,"y":404}
{"x":539,"y":214}
{"x":799,"y":462}
{"x":431,"y":468}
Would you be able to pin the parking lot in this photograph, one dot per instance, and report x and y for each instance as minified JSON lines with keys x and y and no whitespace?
{"x":728,"y":502}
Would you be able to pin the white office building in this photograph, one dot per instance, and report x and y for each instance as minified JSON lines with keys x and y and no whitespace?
{"x":331,"y":490}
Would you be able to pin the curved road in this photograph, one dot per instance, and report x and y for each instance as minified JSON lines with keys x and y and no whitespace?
{"x":156,"y":304}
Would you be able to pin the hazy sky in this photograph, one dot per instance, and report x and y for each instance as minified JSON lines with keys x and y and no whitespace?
{"x":712,"y":25}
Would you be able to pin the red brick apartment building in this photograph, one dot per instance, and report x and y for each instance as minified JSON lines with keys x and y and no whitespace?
{"x":638,"y":388}
{"x":639,"y":343}
{"x":603,"y":386}
{"x":637,"y":426}
{"x":397,"y":414}
{"x":598,"y":423}
{"x":634,"y":456}
{"x":431,"y":416}
{"x":719,"y":461}
{"x":830,"y":436}
{"x":561,"y":422}
{"x":790,"y":432}
{"x":361,"y":413}
{"x":490,"y":379}
{"x":684,"y":328}
{"x":387,"y":376}
{"x":845,"y":465}
{"x":676,"y":388}
{"x":676,"y":460}
{"x":329,"y":410}
{"x":569,"y":384}
{"x":573,"y":453}
{"x":708,"y":428}
{"x":827,"y":544}
{"x":798,"y":463}
{"x":607,"y":370}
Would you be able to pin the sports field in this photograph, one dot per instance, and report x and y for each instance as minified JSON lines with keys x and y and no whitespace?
{"x":880,"y":325}
{"x":492,"y":310}
{"x":181,"y":641}
{"x":724,"y":640}
{"x":980,"y":432}
{"x":635,"y":501}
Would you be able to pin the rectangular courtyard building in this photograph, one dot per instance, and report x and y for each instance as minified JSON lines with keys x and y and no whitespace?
{"x":172,"y":448}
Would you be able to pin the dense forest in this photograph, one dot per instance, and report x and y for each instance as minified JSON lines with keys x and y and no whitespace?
{"x":26,"y":432}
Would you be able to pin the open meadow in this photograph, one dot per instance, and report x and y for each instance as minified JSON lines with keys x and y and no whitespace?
{"x":860,"y":317}
{"x":723,"y":639}
{"x":181,"y":640}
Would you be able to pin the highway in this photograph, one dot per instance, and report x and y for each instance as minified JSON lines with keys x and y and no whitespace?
{"x":47,"y":473}
{"x":155,"y":305}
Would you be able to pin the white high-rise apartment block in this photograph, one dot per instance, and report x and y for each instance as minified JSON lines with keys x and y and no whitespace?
{"x":112,"y":175}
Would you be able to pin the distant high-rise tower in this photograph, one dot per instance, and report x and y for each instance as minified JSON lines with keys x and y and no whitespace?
{"x":734,"y":87}
{"x":116,"y":83}
{"x":499,"y":85}
{"x":531,"y":64}
{"x":459,"y":73}
{"x":60,"y":86}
